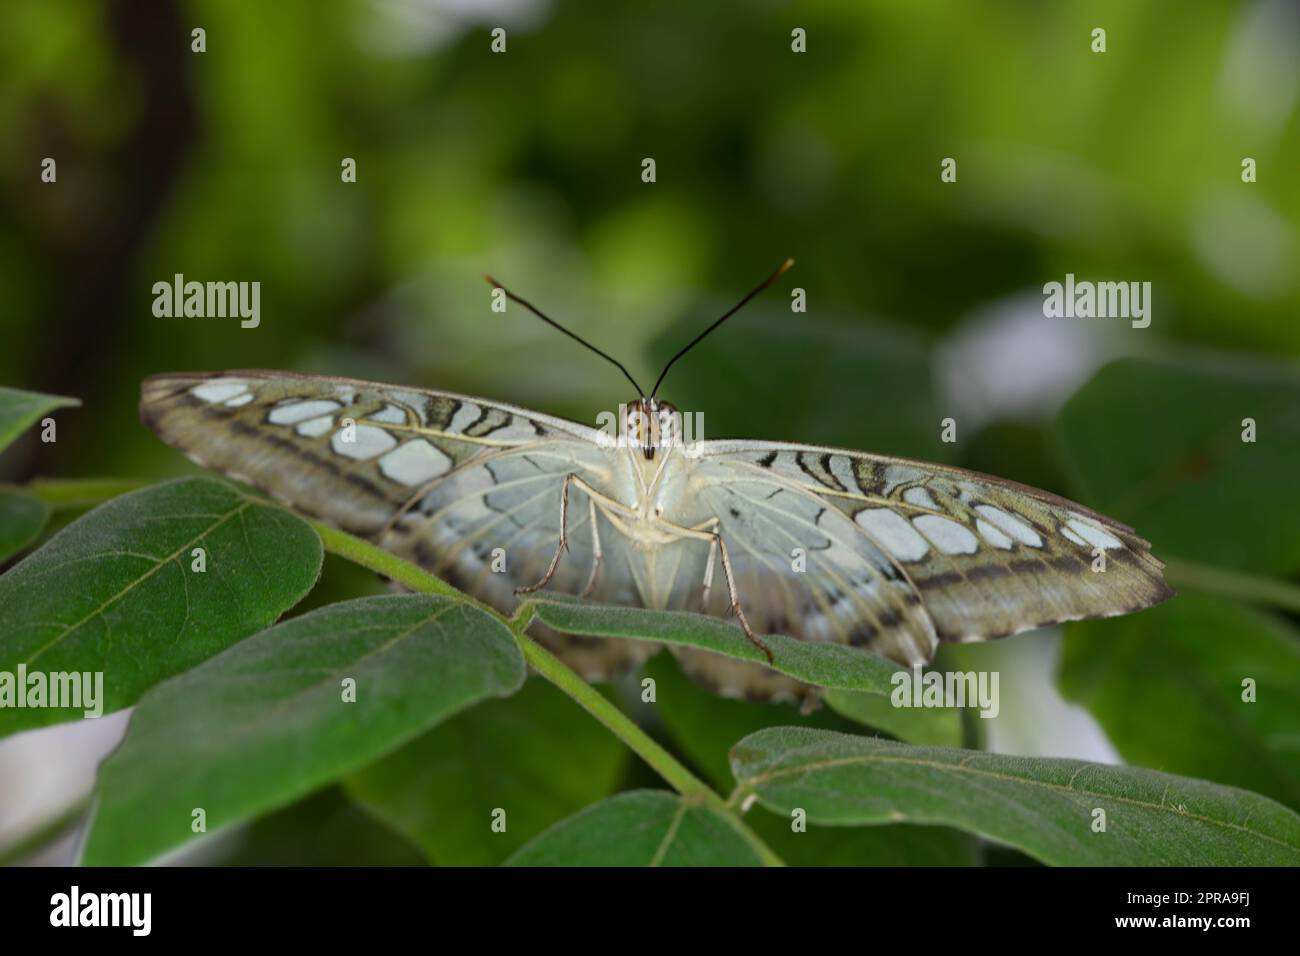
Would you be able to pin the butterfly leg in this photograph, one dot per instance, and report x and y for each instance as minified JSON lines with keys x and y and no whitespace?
{"x":708,"y":576}
{"x":608,"y":505}
{"x":734,"y":595}
{"x":595,"y":548}
{"x":563,"y":544}
{"x":708,"y":530}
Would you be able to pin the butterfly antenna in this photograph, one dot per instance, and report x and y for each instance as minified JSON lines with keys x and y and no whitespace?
{"x":730,"y":312}
{"x":556,"y":325}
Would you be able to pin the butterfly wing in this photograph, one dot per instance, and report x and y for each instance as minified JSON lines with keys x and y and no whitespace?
{"x":468,"y":489}
{"x":988,"y":557}
{"x":284,"y":433}
{"x":897,"y":555}
{"x":884,"y":553}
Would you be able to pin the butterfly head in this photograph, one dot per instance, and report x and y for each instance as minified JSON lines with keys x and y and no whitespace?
{"x":651,"y":424}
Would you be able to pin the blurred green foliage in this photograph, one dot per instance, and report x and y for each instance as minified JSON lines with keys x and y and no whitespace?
{"x":225,"y":165}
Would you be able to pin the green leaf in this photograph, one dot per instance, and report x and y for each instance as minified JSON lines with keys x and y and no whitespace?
{"x":825,"y":665}
{"x":267,"y":722}
{"x":1167,"y":687}
{"x":22,"y":516}
{"x":116,"y":591}
{"x":940,"y":726}
{"x":1159,"y":445}
{"x":640,"y":828}
{"x":19,"y":409}
{"x":537,"y":755}
{"x":1044,"y":807}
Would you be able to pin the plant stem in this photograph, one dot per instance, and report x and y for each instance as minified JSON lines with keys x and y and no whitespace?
{"x":383,"y":562}
{"x":543,"y":661}
{"x":1253,"y":588}
{"x":69,"y":493}
{"x":587,"y":697}
{"x":554,"y":670}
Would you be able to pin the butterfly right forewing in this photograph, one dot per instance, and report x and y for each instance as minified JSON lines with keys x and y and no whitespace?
{"x":988,"y":557}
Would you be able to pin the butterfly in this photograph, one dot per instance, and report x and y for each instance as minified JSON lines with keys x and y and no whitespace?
{"x":887,"y":554}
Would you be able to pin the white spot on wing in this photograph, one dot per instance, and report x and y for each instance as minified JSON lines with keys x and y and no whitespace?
{"x":238,"y":400}
{"x":842,"y":470}
{"x":1093,"y":535}
{"x":519,"y":429}
{"x":390,"y":415}
{"x":1071,"y":536}
{"x":919,"y":497}
{"x":315,"y":427}
{"x":893,"y":533}
{"x":894,"y":475}
{"x":414,"y":463}
{"x":412,"y":400}
{"x":219,"y":389}
{"x":301,"y":411}
{"x":1011,"y":525}
{"x":370,"y":441}
{"x":466,"y":415}
{"x":947,"y":535}
{"x":992,"y":535}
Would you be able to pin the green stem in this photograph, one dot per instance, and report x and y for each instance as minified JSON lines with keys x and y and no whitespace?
{"x":70,"y":493}
{"x":554,"y":670}
{"x":587,"y":697}
{"x":404,"y":573}
{"x":761,"y":849}
{"x":383,"y":562}
{"x":1235,"y":584}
